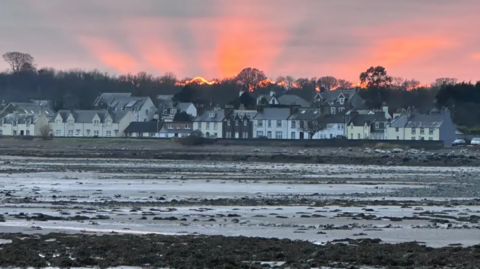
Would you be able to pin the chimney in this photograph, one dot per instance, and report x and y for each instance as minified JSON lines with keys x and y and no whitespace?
{"x":385,"y":110}
{"x":272,"y":93}
{"x":240,"y":93}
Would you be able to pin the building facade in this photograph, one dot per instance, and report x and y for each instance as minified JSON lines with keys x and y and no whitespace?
{"x":210,"y":123}
{"x":239,"y":124}
{"x":272,"y":123}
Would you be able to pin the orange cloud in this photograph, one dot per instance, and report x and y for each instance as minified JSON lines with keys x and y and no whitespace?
{"x":109,"y":54}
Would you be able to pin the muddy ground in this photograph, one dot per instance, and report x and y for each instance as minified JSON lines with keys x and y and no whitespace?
{"x":60,"y":250}
{"x":376,"y":154}
{"x":77,"y":207}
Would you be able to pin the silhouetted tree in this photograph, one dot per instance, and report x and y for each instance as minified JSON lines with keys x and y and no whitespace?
{"x":249,"y":78}
{"x":376,"y":77}
{"x":342,"y":83}
{"x":328,"y":82}
{"x":19,"y":62}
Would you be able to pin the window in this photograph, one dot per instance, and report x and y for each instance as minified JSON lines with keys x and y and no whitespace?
{"x":88,"y":132}
{"x":245,"y":123}
{"x":178,"y":126}
{"x":236,"y":122}
{"x":341,"y":109}
{"x":245,"y":135}
{"x":422,"y":131}
{"x":70,"y":122}
{"x":208,"y":125}
{"x":260,"y":123}
{"x":341,"y":101}
{"x":109,"y":122}
{"x":430,"y":138}
{"x":269,"y":135}
{"x":259,"y":133}
{"x":413,"y":138}
{"x":377,"y":125}
{"x":109,"y":133}
{"x":228,"y":135}
{"x":214,"y":126}
{"x":58,"y":133}
{"x":146,"y":112}
{"x":187,"y":126}
{"x":430,"y":131}
{"x":422,"y":138}
{"x":170,"y":126}
{"x":70,"y":132}
{"x":116,"y":132}
{"x":199,"y":125}
{"x":414,"y":131}
{"x":339,"y":126}
{"x":14,"y":132}
{"x":14,"y":123}
{"x":28,"y":132}
{"x":59,"y":122}
{"x":292,"y":135}
{"x":28,"y":123}
{"x":397,"y":129}
{"x":351,"y":136}
{"x":215,"y":135}
{"x":398,"y":137}
{"x":279,"y":123}
{"x":359,"y":136}
{"x":96,"y":122}
{"x":95,"y":133}
{"x":278,"y":135}
{"x":333,"y":110}
{"x":228,"y":123}
{"x":269,"y":123}
{"x":1,"y":132}
{"x":294,"y":123}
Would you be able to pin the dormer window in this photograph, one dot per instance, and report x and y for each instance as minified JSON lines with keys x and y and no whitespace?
{"x":333,"y":110}
{"x":341,"y":101}
{"x":212,"y":115}
{"x":59,"y":122}
{"x":96,"y":122}
{"x":70,"y":121}
{"x":109,"y":122}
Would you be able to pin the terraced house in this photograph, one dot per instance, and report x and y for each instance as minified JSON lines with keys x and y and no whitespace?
{"x":435,"y":126}
{"x":239,"y":124}
{"x":25,"y":119}
{"x":90,"y":123}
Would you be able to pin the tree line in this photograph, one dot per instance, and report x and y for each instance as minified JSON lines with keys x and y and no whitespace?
{"x":78,"y":88}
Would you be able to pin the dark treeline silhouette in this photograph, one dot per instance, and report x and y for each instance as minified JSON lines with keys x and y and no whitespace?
{"x":78,"y":88}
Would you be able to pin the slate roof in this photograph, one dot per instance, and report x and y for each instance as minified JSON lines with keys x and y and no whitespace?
{"x":28,"y":108}
{"x":19,"y":118}
{"x":144,"y":127}
{"x":86,"y":116}
{"x":120,"y":101}
{"x":306,"y":114}
{"x":242,"y":113}
{"x":273,"y":114}
{"x":417,"y":120}
{"x":206,"y":116}
{"x":361,"y":119}
{"x":291,"y":99}
{"x":333,"y":118}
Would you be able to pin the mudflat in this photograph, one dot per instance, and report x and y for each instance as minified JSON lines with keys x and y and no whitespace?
{"x":85,"y":210}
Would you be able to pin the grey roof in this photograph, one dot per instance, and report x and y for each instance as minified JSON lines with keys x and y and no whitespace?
{"x":108,"y":97}
{"x":291,"y":99}
{"x":144,"y":127}
{"x":361,"y":119}
{"x":165,"y":97}
{"x":306,"y":114}
{"x":333,"y":118}
{"x":120,"y":101}
{"x":330,"y":96}
{"x":273,"y":114}
{"x":244,"y":113}
{"x":417,"y":120}
{"x":211,"y":115}
{"x":183,"y":106}
{"x":19,"y":118}
{"x":28,"y":108}
{"x":86,"y":116}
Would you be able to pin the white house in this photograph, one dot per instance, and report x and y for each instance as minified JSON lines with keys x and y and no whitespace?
{"x":142,"y":108}
{"x":188,"y":108}
{"x":306,"y":122}
{"x":272,"y":123}
{"x":15,"y":124}
{"x":210,"y":123}
{"x":90,"y":123}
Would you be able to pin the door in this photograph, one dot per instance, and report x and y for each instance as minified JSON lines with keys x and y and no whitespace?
{"x":301,"y":135}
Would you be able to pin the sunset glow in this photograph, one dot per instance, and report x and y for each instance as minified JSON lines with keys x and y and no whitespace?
{"x":217,"y":38}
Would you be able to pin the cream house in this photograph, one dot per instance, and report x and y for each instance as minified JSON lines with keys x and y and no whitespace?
{"x":90,"y":123}
{"x":24,"y":125}
{"x":414,"y":126}
{"x":210,"y":123}
{"x":371,"y":125}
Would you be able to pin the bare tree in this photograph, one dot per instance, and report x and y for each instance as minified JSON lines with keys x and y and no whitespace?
{"x":168,"y":78}
{"x":19,"y":61}
{"x":328,"y":82}
{"x":304,"y":82}
{"x":444,"y":81}
{"x":398,"y":82}
{"x":249,"y":78}
{"x":344,"y":83}
{"x":44,"y":130}
{"x":312,"y":126}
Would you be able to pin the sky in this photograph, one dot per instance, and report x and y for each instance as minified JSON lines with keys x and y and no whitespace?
{"x":413,"y":39}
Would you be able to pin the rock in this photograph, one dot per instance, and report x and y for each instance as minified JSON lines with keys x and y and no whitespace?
{"x":413,"y":151}
{"x":397,"y":150}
